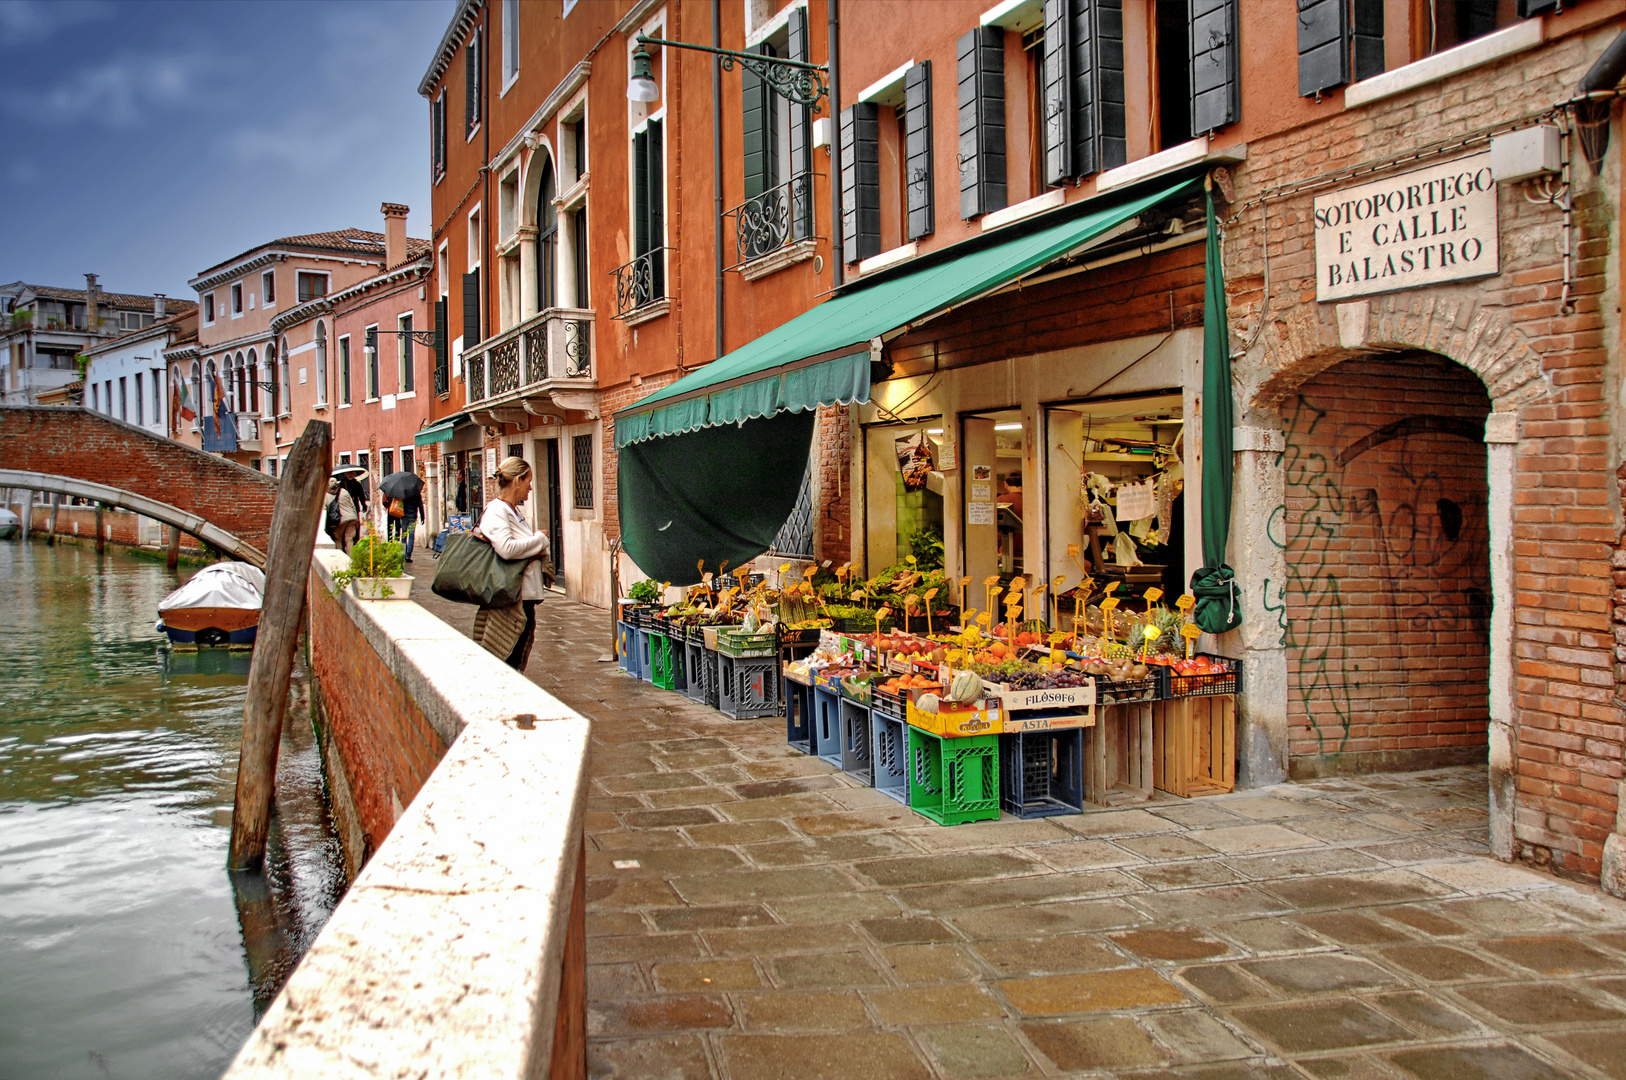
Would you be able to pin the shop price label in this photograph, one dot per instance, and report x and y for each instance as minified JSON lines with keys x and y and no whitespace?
{"x":983,"y":618}
{"x":1110,"y":603}
{"x":1192,"y":631}
{"x":991,"y":579}
{"x":930,"y":593}
{"x":1153,"y":595}
{"x":1073,"y":551}
{"x":1112,"y":587}
{"x":1186,"y":602}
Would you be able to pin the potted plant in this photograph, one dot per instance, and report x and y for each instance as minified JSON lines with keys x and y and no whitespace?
{"x":377,"y":570}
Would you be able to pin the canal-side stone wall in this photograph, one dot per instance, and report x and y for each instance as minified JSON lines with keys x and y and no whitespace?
{"x":460,"y":948}
{"x":120,"y":527}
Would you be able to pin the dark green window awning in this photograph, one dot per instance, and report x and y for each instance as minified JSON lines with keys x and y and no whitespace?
{"x":821,"y":357}
{"x":437,"y":433}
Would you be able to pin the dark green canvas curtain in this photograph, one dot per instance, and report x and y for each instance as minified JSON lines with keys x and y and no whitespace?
{"x":1219,"y":603}
{"x":716,"y":497}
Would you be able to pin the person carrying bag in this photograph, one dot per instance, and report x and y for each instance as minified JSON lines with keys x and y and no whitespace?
{"x":500,"y":568}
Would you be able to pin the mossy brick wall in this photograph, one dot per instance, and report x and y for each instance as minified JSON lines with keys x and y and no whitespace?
{"x":83,"y":445}
{"x":1548,"y":367}
{"x":385,"y":746}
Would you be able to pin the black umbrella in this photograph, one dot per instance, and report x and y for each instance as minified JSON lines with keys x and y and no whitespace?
{"x":401,"y":485}
{"x":349,"y":470}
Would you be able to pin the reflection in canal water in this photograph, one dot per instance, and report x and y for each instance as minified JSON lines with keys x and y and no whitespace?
{"x":126,"y":949}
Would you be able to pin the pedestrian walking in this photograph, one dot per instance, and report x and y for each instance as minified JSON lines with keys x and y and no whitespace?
{"x":343,"y":511}
{"x":404,"y":490}
{"x":512,"y":538}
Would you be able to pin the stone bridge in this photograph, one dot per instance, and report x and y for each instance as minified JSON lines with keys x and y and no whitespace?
{"x":72,"y":451}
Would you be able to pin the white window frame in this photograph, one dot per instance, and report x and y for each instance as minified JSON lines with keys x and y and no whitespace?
{"x":510,"y":45}
{"x":475,"y":224}
{"x":569,"y":6}
{"x":341,"y":355}
{"x":208,"y":307}
{"x":402,"y":344}
{"x":327,"y":283}
{"x":321,"y":341}
{"x":268,"y":289}
{"x":238,"y":306}
{"x":444,"y":265}
{"x":370,"y":390}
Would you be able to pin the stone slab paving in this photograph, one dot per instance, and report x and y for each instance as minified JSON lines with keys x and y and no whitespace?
{"x":755,"y":914}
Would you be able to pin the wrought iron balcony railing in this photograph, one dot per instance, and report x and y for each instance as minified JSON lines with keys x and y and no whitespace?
{"x":553,"y":347}
{"x":640,"y":282}
{"x":779,"y":216}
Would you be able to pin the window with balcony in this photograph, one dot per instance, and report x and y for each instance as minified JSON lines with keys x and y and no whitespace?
{"x":547,"y":240}
{"x":312,"y":286}
{"x":642,"y":281}
{"x":778,"y":207}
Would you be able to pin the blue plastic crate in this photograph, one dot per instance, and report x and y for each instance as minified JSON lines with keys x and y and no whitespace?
{"x":889,"y":755}
{"x":1041,"y":773}
{"x":694,"y":670}
{"x":645,"y":660}
{"x":798,"y":715}
{"x":626,"y":642}
{"x":855,"y":741}
{"x":748,"y":688}
{"x":827,"y":726}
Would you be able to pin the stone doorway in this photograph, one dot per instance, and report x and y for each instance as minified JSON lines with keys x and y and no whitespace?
{"x":1386,"y":536}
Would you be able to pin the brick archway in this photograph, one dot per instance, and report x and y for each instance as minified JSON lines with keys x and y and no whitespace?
{"x":78,"y":452}
{"x":1310,"y":338}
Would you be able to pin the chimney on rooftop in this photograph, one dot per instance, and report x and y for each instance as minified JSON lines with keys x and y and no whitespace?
{"x":157,"y":306}
{"x":395,"y":216}
{"x":91,"y":322}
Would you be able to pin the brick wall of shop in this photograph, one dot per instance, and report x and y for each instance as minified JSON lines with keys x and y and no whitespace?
{"x":1388,"y":563}
{"x":373,"y":727}
{"x":1543,"y":365}
{"x":833,"y":462}
{"x":613,"y":401}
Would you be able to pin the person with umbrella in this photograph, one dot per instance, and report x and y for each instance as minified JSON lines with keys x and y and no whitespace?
{"x":352,"y":503}
{"x":405,"y":488}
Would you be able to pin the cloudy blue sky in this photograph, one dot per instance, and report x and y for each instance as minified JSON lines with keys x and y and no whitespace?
{"x":144,"y":141}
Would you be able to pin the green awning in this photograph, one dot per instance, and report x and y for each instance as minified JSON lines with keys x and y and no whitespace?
{"x":437,"y":433}
{"x":821,"y":357}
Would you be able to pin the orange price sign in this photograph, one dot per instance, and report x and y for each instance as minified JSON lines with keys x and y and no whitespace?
{"x":1186,"y":603}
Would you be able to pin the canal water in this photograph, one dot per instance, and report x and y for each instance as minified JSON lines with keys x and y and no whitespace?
{"x":126,"y":948}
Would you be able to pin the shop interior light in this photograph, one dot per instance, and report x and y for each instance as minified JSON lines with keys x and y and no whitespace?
{"x":934,"y":431}
{"x":1007,"y":427}
{"x":642,"y":86}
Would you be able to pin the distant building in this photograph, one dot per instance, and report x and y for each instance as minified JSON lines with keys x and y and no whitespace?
{"x":43,"y":328}
{"x":125,"y":377}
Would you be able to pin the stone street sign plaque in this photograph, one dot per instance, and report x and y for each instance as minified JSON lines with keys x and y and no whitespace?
{"x":1420,"y":228}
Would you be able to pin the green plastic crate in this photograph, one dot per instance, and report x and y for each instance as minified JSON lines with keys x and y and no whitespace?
{"x":660,"y":660}
{"x":738,"y":643}
{"x":953,"y":781}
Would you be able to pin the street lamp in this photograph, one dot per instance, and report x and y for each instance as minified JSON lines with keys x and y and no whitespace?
{"x":800,"y":82}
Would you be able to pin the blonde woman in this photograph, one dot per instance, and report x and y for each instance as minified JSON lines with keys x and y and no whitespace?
{"x":511,"y":538}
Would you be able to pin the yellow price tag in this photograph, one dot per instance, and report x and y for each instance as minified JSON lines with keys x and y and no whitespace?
{"x":982,"y":618}
{"x":1109,"y":603}
{"x":881,"y":613}
{"x":1152,"y":633}
{"x":784,"y":568}
{"x":810,"y":571}
{"x":1058,"y":636}
{"x":965,"y":581}
{"x":1186,"y":602}
{"x":910,"y":560}
{"x":911,"y":601}
{"x":706,"y":577}
{"x":1112,"y":587}
{"x":1191,"y":630}
{"x":1014,"y":613}
{"x":930,"y":593}
{"x":1153,"y":595}
{"x":991,"y":579}
{"x":1019,"y":584}
{"x":1072,"y":552}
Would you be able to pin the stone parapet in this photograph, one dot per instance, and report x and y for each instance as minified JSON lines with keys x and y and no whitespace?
{"x":459,"y":949}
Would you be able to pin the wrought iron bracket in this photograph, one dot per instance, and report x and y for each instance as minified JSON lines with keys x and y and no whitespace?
{"x":426,"y":338}
{"x":794,"y":80}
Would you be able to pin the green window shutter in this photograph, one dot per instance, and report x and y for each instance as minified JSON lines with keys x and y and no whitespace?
{"x":640,"y":193}
{"x":442,"y":382}
{"x":1110,"y":115}
{"x":1058,"y":97}
{"x":654,"y":199}
{"x":1367,"y":53}
{"x":980,"y":73}
{"x":861,"y":181}
{"x":1323,"y":45}
{"x":471,"y":309}
{"x":801,"y":137}
{"x":917,"y":150}
{"x":761,"y":132}
{"x":1215,"y":55}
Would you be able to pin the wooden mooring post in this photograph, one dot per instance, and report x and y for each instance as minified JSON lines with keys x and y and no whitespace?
{"x":101,"y":531}
{"x":56,"y":508}
{"x":300,"y":494}
{"x":173,"y":559}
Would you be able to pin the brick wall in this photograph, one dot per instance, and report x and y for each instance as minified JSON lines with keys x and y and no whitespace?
{"x":377,"y":732}
{"x":1388,"y":566}
{"x":1545,"y":365}
{"x":833,"y":461}
{"x":610,"y":402}
{"x":83,"y":445}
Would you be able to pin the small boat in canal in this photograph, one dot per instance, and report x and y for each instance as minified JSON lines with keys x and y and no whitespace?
{"x":219,"y":606}
{"x":10,"y":524}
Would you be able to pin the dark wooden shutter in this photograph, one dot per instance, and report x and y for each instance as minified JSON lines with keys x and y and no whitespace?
{"x":1083,"y":45}
{"x":1059,"y":166}
{"x":861,"y":181}
{"x":1215,"y":56}
{"x":1529,"y":9}
{"x":471,"y":82}
{"x":1110,"y":112}
{"x":761,"y":134}
{"x":981,"y":77}
{"x":640,"y":193}
{"x":917,"y":150}
{"x":583,"y":298}
{"x":1367,"y":48}
{"x":801,"y":137}
{"x":471,"y":309}
{"x":441,"y":381}
{"x":654,"y":200}
{"x":1323,"y":45}
{"x":437,"y":136}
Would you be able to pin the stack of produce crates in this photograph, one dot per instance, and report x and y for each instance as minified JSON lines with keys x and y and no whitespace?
{"x":747,"y":673}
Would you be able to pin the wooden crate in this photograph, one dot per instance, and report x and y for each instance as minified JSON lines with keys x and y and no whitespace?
{"x":1194,"y":745}
{"x":1118,"y":755}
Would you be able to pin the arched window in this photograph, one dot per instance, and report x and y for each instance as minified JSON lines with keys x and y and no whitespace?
{"x":547,"y":240}
{"x":321,"y":363}
{"x":251,"y":373}
{"x":269,"y":373}
{"x":285,"y":399}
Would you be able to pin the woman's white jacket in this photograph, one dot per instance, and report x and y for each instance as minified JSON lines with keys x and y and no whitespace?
{"x":512,"y":538}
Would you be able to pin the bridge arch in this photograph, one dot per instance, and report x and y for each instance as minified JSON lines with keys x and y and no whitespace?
{"x":76,"y":452}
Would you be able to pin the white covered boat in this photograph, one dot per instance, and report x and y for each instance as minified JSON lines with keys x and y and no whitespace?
{"x":10,"y":524}
{"x":220,"y":605}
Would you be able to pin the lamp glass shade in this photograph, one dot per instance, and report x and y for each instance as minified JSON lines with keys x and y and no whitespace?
{"x":642,"y":85}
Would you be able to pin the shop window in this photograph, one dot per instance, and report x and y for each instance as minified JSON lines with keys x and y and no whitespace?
{"x":581,"y":454}
{"x":995,"y":512}
{"x":904,"y":493}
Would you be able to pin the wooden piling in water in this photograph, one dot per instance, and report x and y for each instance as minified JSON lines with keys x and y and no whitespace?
{"x":56,"y":508}
{"x":173,"y":559}
{"x":300,"y":494}
{"x":101,"y":531}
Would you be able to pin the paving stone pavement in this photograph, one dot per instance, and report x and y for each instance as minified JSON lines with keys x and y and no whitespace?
{"x":755,"y":914}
